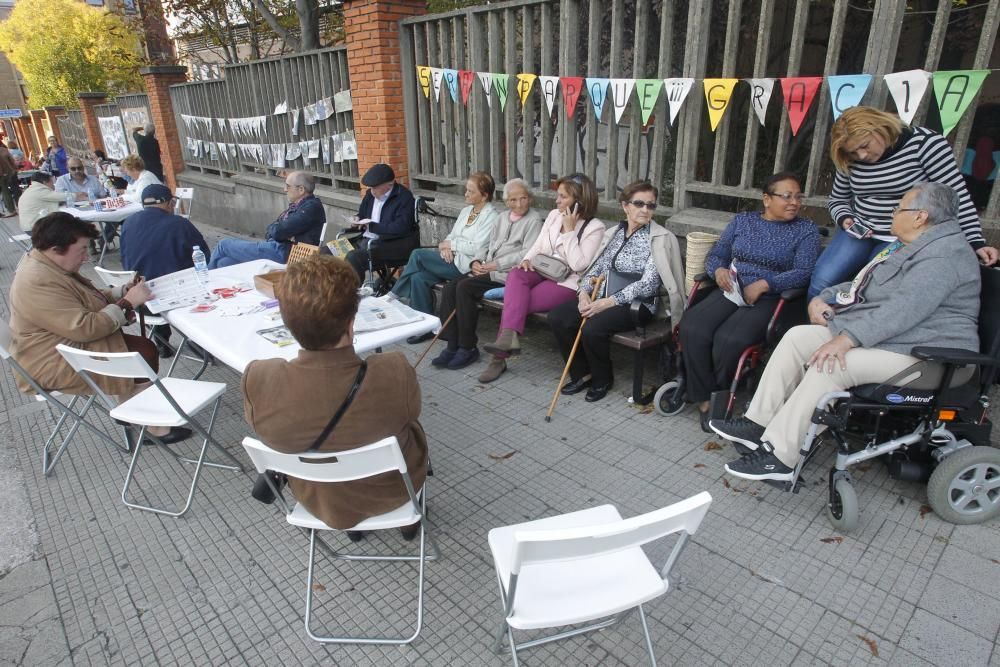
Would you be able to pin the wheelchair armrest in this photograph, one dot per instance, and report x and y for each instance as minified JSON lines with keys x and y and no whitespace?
{"x":703,"y":278}
{"x":795,"y":293}
{"x":952,"y":355}
{"x":633,"y":311}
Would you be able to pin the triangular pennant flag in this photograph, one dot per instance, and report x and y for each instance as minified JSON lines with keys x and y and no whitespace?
{"x":281,"y":108}
{"x":597,"y":91}
{"x":846,"y":91}
{"x":647,"y":90}
{"x":501,"y":82}
{"x":954,"y":91}
{"x":717,"y":94}
{"x":549,"y":85}
{"x":524,"y":83}
{"x":424,"y":77}
{"x":486,"y":78}
{"x":799,"y":92}
{"x":760,"y":96}
{"x":465,"y":79}
{"x":304,"y":149}
{"x":907,"y":89}
{"x":436,"y":76}
{"x":451,"y":80}
{"x":295,"y":121}
{"x":621,"y":91}
{"x":677,"y":92}
{"x":571,"y":87}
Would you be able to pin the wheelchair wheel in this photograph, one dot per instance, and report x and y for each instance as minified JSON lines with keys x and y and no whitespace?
{"x":669,"y":399}
{"x":842,"y":508}
{"x":965,"y":487}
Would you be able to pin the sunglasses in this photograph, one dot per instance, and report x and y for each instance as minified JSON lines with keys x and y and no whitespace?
{"x":638,"y":203}
{"x":76,"y":168}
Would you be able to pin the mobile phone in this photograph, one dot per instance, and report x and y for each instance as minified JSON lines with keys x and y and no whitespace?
{"x":859,"y":230}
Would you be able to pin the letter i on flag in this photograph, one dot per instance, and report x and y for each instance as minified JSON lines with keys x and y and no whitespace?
{"x":799,"y":92}
{"x":954,"y":92}
{"x":424,"y":77}
{"x":907,"y":89}
{"x":717,"y":94}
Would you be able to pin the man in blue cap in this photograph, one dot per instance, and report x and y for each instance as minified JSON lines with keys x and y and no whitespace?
{"x":155,"y":242}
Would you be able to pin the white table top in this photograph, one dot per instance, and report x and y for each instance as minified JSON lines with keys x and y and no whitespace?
{"x":117,"y":215}
{"x":234,"y":340}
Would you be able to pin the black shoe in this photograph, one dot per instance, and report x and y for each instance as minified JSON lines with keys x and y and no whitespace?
{"x":409,"y":532}
{"x":164,"y":350}
{"x":575,"y":386}
{"x":464,"y":357}
{"x":355,"y":535}
{"x":761,"y":464}
{"x":443,"y":359}
{"x":177,"y":434}
{"x":597,"y":393}
{"x":704,"y":417}
{"x":741,"y":430}
{"x":417,"y":340}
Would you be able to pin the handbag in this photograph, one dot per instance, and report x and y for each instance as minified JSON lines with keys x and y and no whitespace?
{"x":551,"y":268}
{"x":619,"y":280}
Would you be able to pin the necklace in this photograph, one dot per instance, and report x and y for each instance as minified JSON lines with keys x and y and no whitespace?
{"x":472,"y":217}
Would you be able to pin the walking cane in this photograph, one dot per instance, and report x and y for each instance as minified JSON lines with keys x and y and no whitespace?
{"x":572,"y":353}
{"x":436,"y":336}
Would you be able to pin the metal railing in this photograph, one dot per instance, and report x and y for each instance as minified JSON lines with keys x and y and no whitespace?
{"x":74,"y":134}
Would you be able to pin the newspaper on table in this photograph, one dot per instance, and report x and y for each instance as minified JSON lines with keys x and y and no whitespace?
{"x":734,"y":293}
{"x":176,"y":290}
{"x":279,"y":335}
{"x":375,"y":314}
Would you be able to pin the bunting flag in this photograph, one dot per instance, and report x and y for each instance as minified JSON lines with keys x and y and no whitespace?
{"x":324,"y":108}
{"x":549,"y":85}
{"x":523,"y":86}
{"x":907,"y":89}
{"x":278,"y":156}
{"x":281,"y":108}
{"x":717,"y":95}
{"x":621,"y":91}
{"x":572,"y":86}
{"x":799,"y":92}
{"x":292,"y":152}
{"x":294,"y":113}
{"x":424,"y":77}
{"x":436,"y":76}
{"x":309,"y":114}
{"x":326,"y":149}
{"x":500,"y":83}
{"x":597,"y":91}
{"x":677,"y":92}
{"x":846,"y":91}
{"x":954,"y":92}
{"x":486,"y":78}
{"x":451,"y":80}
{"x":647,"y":90}
{"x":760,"y":96}
{"x":465,"y":79}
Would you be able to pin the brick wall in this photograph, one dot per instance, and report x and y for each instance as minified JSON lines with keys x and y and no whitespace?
{"x":372,"y":35}
{"x":93,"y":129}
{"x":51,"y":113}
{"x":158,"y":81}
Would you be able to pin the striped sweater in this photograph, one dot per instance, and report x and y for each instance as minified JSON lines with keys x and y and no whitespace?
{"x":870,"y":191}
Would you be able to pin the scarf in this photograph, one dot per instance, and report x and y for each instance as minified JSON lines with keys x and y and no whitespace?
{"x":855,"y":294}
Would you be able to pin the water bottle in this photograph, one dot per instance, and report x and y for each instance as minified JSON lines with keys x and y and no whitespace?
{"x":70,"y":199}
{"x":200,"y":266}
{"x":91,"y":197}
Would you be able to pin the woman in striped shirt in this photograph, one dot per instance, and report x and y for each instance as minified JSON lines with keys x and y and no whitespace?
{"x":878,"y":159}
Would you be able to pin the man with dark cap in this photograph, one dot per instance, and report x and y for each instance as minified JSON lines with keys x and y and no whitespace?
{"x":155,"y":242}
{"x":386,"y":214}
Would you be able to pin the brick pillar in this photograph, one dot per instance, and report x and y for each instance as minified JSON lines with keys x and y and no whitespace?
{"x":90,"y":124}
{"x":41,"y":138}
{"x":25,"y":138}
{"x":51,"y":113}
{"x":373,"y":57}
{"x":161,"y":108}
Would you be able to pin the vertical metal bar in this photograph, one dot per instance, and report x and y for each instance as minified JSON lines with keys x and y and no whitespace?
{"x":817,"y":152}
{"x":934,"y":48}
{"x":511,"y":68}
{"x":661,"y":129}
{"x":494,"y":43}
{"x":529,"y":111}
{"x":548,"y":69}
{"x":883,"y":40}
{"x":592,"y":124}
{"x":764,"y":29}
{"x":459,"y":26}
{"x":639,"y":71}
{"x":447,"y":61}
{"x":794,"y":62}
{"x":617,"y":70}
{"x":422,"y":106}
{"x":437,"y":135}
{"x":480,"y":120}
{"x":984,"y":51}
{"x":569,"y":38}
{"x":719,"y":159}
{"x":691,"y":116}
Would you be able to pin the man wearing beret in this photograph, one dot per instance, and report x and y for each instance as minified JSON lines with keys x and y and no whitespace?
{"x":386,"y":214}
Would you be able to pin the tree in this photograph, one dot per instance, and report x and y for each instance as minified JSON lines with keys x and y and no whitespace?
{"x":63,"y":47}
{"x":224,"y":26}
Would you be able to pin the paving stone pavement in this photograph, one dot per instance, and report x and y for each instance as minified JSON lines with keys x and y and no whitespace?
{"x":760,"y":583}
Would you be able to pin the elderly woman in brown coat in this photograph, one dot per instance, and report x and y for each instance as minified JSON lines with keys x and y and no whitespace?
{"x":289,"y":403}
{"x":52,"y":303}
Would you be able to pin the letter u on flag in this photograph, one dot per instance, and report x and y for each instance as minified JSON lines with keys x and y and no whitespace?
{"x":717,"y":95}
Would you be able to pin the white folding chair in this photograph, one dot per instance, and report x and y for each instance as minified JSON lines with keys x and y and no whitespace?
{"x":185,"y":198}
{"x":368,"y":461}
{"x":22,"y":239}
{"x":579,"y":567}
{"x":322,"y":234}
{"x":169,"y":402}
{"x":55,"y":405}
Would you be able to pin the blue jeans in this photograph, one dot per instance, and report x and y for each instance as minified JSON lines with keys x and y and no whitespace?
{"x":423,"y":270}
{"x":842,"y":260}
{"x":234,"y":251}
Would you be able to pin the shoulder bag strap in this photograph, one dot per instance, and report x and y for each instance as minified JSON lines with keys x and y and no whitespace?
{"x":358,"y":379}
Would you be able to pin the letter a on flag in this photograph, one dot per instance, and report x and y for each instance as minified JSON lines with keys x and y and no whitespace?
{"x":954,"y":92}
{"x":549,"y":86}
{"x":717,"y":94}
{"x":799,"y":92}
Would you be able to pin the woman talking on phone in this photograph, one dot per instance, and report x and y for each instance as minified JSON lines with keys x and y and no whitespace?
{"x":879,"y":159}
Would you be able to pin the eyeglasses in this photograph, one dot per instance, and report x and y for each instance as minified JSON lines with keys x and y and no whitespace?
{"x":638,"y":203}
{"x":76,"y":168}
{"x":901,"y":210}
{"x":788,"y":196}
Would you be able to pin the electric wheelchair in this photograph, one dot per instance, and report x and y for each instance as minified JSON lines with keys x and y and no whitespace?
{"x":935,"y":429}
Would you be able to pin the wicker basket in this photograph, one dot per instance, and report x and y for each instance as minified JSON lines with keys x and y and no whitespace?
{"x":301,"y":251}
{"x":699,"y":244}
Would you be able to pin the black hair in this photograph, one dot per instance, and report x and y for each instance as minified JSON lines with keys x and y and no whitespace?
{"x":781,"y":176}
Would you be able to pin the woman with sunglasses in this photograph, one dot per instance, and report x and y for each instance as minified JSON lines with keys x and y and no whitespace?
{"x":759,"y":255}
{"x":638,"y":260}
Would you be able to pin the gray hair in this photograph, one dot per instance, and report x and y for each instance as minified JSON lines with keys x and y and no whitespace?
{"x":303,"y":179}
{"x":515,"y":183}
{"x":939,"y":200}
{"x":149,"y":128}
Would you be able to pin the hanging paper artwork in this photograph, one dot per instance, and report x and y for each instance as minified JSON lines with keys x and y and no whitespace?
{"x":717,"y":95}
{"x":326,"y":150}
{"x":292,"y":152}
{"x":338,"y":148}
{"x":524,"y":83}
{"x":647,"y":91}
{"x":465,"y":79}
{"x":846,"y":91}
{"x":799,"y":93}
{"x":350,"y":146}
{"x":486,"y":78}
{"x":324,"y":109}
{"x":954,"y":92}
{"x":113,"y":134}
{"x":501,"y":83}
{"x":907,"y":89}
{"x":278,"y":156}
{"x":424,"y":77}
{"x":572,"y":86}
{"x":223,"y":151}
{"x":213,"y":151}
{"x":342,"y":101}
{"x":304,"y":149}
{"x":451,"y":80}
{"x":676,"y":91}
{"x":313,"y":149}
{"x":281,"y":108}
{"x":309,"y":114}
{"x":760,"y":96}
{"x":549,"y":85}
{"x":436,"y":77}
{"x":597,"y":91}
{"x":621,"y":91}
{"x":294,"y":113}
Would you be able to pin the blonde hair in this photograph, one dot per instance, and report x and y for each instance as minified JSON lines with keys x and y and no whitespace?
{"x":858,"y":123}
{"x":133,"y":163}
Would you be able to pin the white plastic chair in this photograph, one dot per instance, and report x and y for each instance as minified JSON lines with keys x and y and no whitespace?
{"x":55,"y":405}
{"x":169,"y":402}
{"x":22,"y":239}
{"x":185,"y":199}
{"x":368,"y":461}
{"x":579,"y":567}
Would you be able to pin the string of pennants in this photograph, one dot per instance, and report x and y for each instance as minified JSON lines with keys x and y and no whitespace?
{"x":954,"y":91}
{"x":335,"y":148}
{"x":255,"y":126}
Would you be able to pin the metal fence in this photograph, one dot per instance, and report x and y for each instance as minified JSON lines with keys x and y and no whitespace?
{"x":255,"y":89}
{"x":74,"y":134}
{"x":656,"y":39}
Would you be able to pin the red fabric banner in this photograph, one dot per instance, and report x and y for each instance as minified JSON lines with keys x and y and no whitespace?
{"x":572,"y":86}
{"x":465,"y":79}
{"x":799,"y":92}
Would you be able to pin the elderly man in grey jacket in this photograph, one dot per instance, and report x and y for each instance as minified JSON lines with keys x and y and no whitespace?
{"x":922,"y":289}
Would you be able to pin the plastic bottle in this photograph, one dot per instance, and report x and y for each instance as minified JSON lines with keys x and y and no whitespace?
{"x":70,"y":199}
{"x":200,"y":266}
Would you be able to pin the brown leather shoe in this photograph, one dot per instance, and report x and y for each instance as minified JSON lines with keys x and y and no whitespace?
{"x":506,"y":342}
{"x":495,"y":369}
{"x":409,"y":532}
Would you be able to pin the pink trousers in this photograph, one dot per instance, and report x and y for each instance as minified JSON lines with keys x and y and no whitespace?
{"x":527,"y":292}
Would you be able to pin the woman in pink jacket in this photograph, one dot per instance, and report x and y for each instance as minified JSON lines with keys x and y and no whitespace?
{"x":572,"y":235}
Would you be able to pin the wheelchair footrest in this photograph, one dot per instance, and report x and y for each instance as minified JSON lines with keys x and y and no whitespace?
{"x":829,"y":419}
